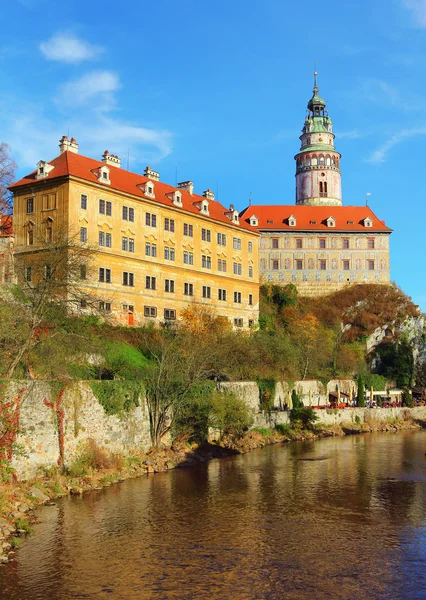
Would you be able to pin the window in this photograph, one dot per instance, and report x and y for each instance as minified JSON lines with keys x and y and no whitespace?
{"x":188,"y":258}
{"x":251,"y":323}
{"x":370,"y":264}
{"x":105,"y":306}
{"x":250,"y":299}
{"x":28,"y":274}
{"x":49,"y":230}
{"x":131,"y":245}
{"x":150,"y":249}
{"x":105,"y":239}
{"x":322,"y":243}
{"x":238,"y":322}
{"x":188,"y":289}
{"x":83,"y":303}
{"x":207,"y":291}
{"x":149,"y":311}
{"x":274,"y":242}
{"x":221,"y":265}
{"x":169,"y":314}
{"x":131,"y":215}
{"x":371,"y":243}
{"x":105,"y":207}
{"x":236,"y":243}
{"x":169,"y":286}
{"x":104,"y":174}
{"x":275,"y":265}
{"x":345,"y":243}
{"x":125,"y":213}
{"x":83,"y":202}
{"x":125,"y":244}
{"x":128,"y":279}
{"x":323,"y":189}
{"x":250,"y":247}
{"x":151,"y":220}
{"x":221,"y":239}
{"x":188,"y":230}
{"x":206,"y":262}
{"x":30,"y":206}
{"x":299,"y":265}
{"x":169,"y":225}
{"x":323,"y":265}
{"x":128,"y":214}
{"x":150,"y":283}
{"x":237,"y":297}
{"x":30,"y":235}
{"x":104,"y":275}
{"x":221,"y":294}
{"x":83,"y":234}
{"x":206,"y":235}
{"x":346,"y":265}
{"x":250,"y":271}
{"x":47,"y":272}
{"x":237,"y":269}
{"x":299,"y":243}
{"x":83,"y":272}
{"x":169,"y":253}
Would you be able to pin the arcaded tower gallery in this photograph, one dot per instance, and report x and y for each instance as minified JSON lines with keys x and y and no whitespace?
{"x":318,"y":244}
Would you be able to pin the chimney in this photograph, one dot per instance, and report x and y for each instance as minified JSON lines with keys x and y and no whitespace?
{"x":151,"y":174}
{"x":111,"y":159}
{"x":66,"y":144}
{"x":208,"y":194}
{"x":187,"y":186}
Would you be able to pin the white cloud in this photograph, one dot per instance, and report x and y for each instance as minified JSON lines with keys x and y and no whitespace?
{"x":418,"y":9}
{"x":353,"y":134}
{"x":95,"y":87}
{"x":33,"y":133}
{"x":381,"y":154}
{"x":66,"y":47}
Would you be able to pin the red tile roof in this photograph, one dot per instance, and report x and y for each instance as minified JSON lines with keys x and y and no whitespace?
{"x":69,"y":163}
{"x":313,"y":218}
{"x":6,"y":226}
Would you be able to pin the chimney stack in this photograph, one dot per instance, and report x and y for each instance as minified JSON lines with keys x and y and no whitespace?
{"x":111,"y":159}
{"x":187,"y":186}
{"x":208,"y":194}
{"x":151,"y":174}
{"x":66,"y":144}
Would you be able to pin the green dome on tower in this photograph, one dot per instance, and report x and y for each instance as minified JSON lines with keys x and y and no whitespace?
{"x":316,"y":101}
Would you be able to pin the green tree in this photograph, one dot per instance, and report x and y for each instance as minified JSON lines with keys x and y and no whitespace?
{"x":360,"y":397}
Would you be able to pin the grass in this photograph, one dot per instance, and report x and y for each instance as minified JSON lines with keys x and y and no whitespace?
{"x":23,"y":525}
{"x":265,"y":431}
{"x":283,"y":428}
{"x":15,"y":542}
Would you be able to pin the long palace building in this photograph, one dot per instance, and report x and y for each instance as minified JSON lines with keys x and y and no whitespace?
{"x":159,"y":248}
{"x":316,"y":243}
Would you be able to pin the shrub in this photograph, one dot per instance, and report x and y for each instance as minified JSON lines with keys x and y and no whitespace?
{"x":303,"y":417}
{"x":265,"y":431}
{"x":360,"y":398}
{"x":230,"y":414}
{"x":283,"y":428}
{"x":92,"y":458}
{"x":407,"y":398}
{"x":377,"y":382}
{"x":192,"y":419}
{"x":297,"y":403}
{"x":266,"y":394}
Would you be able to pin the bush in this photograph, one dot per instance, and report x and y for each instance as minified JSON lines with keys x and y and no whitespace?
{"x":407,"y":398}
{"x":283,"y":428}
{"x":192,"y":420}
{"x":360,"y":398}
{"x":303,"y":417}
{"x":297,"y":403}
{"x":377,"y":382}
{"x":92,"y":458}
{"x":266,"y":394}
{"x":230,"y":414}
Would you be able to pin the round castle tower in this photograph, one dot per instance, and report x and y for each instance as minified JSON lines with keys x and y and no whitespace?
{"x":318,"y":180}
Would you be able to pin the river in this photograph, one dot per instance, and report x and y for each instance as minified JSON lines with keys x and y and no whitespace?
{"x":340,"y":518}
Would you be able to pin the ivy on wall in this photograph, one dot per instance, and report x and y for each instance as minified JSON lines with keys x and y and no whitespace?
{"x":117,"y":396}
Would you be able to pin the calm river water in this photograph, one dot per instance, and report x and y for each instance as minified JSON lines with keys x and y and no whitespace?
{"x":272,"y":524}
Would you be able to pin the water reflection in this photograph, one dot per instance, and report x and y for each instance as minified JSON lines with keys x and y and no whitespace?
{"x":266,"y":525}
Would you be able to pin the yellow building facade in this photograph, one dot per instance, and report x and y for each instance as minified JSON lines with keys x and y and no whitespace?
{"x":158,"y":248}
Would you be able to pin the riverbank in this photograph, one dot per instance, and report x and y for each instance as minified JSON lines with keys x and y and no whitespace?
{"x":96,"y":469}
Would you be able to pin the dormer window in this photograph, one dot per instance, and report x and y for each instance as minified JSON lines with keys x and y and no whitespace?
{"x":331,"y":222}
{"x":149,"y":189}
{"x":177,"y":198}
{"x":254,"y":221}
{"x":235,"y":217}
{"x":205,"y":207}
{"x":103,"y":174}
{"x":292,"y":221}
{"x":43,"y":169}
{"x":368,"y":222}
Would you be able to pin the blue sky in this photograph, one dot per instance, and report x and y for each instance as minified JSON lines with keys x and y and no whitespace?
{"x":217,"y":91}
